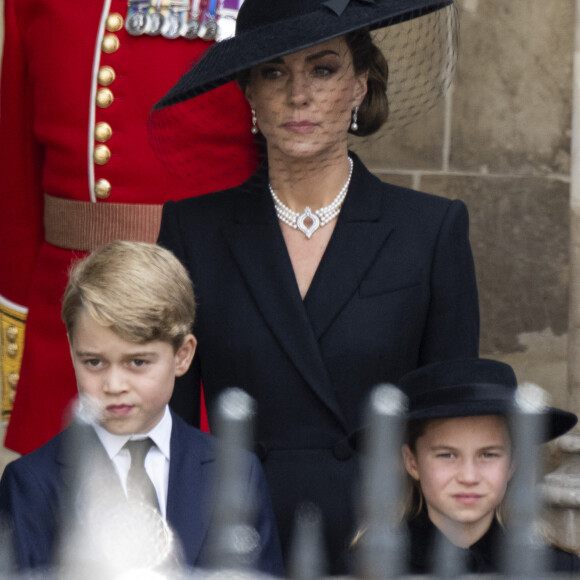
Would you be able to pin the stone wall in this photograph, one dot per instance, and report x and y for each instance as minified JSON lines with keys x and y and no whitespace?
{"x":501,"y":143}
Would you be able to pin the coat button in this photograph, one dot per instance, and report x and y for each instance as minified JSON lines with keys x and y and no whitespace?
{"x":106,"y":75}
{"x":105,"y":98}
{"x":102,"y":189}
{"x":103,"y":132}
{"x":342,"y":450}
{"x":13,"y":380}
{"x":101,"y":155}
{"x":12,"y":349}
{"x":114,"y":22}
{"x":110,"y":43}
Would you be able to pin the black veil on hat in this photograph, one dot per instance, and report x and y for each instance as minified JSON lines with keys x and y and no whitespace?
{"x":419,"y":39}
{"x":268,"y":29}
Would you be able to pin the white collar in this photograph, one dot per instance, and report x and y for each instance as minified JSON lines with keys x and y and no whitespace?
{"x":160,"y":434}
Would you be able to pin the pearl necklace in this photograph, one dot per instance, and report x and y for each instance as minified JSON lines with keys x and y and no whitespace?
{"x":320,"y":217}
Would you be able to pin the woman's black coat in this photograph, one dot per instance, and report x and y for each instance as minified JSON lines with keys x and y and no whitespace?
{"x":395,"y":289}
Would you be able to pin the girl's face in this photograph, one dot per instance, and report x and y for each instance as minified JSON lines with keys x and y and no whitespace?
{"x":304,"y":100}
{"x":463,"y":466}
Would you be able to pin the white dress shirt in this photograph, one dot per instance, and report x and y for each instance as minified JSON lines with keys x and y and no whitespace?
{"x":156,"y":462}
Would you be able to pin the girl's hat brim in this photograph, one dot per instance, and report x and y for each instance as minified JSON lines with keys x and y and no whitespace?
{"x":467,"y":388}
{"x":558,"y":421}
{"x":290,"y":26}
{"x":464,"y":388}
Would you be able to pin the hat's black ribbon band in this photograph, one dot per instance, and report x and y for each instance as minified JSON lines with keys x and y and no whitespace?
{"x":339,"y":6}
{"x":458,"y":394}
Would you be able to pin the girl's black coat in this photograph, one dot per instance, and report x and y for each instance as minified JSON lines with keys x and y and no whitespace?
{"x":483,"y":557}
{"x":395,"y":289}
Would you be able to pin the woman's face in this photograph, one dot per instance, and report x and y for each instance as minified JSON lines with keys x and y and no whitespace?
{"x":304,"y":101}
{"x":463,"y":466}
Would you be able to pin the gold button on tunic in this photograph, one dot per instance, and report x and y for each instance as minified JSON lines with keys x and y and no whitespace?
{"x":106,"y":75}
{"x":104,"y":98}
{"x":114,"y":22}
{"x":110,"y":43}
{"x":103,"y":132}
{"x":101,"y":155}
{"x":102,"y":189}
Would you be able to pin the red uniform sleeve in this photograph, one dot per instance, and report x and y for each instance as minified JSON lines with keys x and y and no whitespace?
{"x":20,"y":162}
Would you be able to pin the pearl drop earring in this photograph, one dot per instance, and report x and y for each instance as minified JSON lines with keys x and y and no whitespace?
{"x":354,"y":124}
{"x":254,"y":123}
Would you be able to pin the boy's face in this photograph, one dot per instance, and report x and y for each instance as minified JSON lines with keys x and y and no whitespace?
{"x":132,"y":383}
{"x":463,"y":466}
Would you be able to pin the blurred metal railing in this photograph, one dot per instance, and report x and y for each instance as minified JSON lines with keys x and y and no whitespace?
{"x":383,"y":548}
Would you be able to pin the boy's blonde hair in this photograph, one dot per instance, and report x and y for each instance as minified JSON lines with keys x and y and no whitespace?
{"x":140,"y":291}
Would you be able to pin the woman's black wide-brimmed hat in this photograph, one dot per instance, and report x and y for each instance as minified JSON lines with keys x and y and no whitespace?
{"x":468,"y":387}
{"x":268,"y":29}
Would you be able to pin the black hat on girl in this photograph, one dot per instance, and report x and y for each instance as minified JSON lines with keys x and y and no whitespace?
{"x":467,"y":387}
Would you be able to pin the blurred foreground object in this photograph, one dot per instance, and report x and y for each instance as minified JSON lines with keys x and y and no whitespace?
{"x":525,"y":554}
{"x":236,"y":541}
{"x":382,"y":548}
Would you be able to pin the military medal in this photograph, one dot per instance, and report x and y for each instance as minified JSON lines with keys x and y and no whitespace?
{"x":138,"y":21}
{"x":172,"y":27}
{"x":175,"y":21}
{"x":192,"y":25}
{"x":208,"y":29}
{"x":191,"y":28}
{"x":157,"y":19}
{"x":205,"y":19}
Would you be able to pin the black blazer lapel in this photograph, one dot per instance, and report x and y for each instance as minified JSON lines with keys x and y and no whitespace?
{"x":361,"y":231}
{"x":259,"y":250}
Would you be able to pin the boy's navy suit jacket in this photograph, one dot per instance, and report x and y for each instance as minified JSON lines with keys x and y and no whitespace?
{"x":35,"y":489}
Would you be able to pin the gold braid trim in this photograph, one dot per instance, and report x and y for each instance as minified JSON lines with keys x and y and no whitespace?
{"x":12,"y":326}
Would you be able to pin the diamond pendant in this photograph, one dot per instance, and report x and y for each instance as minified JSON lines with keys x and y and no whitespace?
{"x":308,"y":231}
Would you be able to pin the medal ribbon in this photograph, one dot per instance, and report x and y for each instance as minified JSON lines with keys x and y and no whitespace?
{"x":195,"y":8}
{"x":232,"y":4}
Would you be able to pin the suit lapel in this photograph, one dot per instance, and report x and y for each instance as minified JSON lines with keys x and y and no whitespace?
{"x":85,"y":467}
{"x":81,"y":448}
{"x":361,"y":231}
{"x":259,"y":250}
{"x":187,"y":497}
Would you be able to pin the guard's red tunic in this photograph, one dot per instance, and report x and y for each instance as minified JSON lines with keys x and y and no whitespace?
{"x":54,"y":92}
